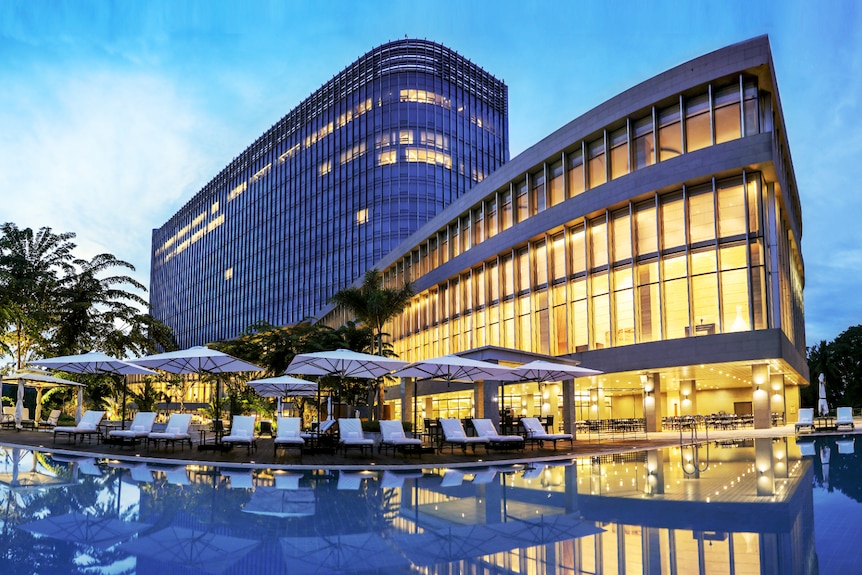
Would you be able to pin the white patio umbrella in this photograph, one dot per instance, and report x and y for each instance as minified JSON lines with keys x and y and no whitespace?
{"x":343,"y":364}
{"x":822,"y":405}
{"x":192,"y":548}
{"x":284,"y":386}
{"x":198,"y":359}
{"x":92,"y":363}
{"x":85,"y":529}
{"x":541,"y":371}
{"x":452,"y":368}
{"x":38,"y":380}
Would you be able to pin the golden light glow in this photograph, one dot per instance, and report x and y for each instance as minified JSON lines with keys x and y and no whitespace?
{"x":228,"y":274}
{"x":362,"y":216}
{"x":387,"y":157}
{"x":234,"y":193}
{"x":325,"y":167}
{"x":261,"y":173}
{"x":288,"y":154}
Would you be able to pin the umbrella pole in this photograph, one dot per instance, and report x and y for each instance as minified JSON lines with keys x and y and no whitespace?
{"x":123,"y":408}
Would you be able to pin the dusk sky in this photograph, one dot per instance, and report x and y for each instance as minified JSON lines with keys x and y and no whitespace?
{"x":114,"y":114}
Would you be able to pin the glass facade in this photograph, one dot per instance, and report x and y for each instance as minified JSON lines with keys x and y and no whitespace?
{"x":328,"y":191}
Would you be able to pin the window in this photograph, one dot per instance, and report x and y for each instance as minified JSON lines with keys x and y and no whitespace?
{"x":522,"y":207}
{"x":598,"y":243}
{"x":619,"y":153}
{"x":491,"y":217}
{"x":598,"y":173}
{"x":575,"y":173}
{"x":669,"y":135}
{"x":727,"y":114}
{"x":506,"y":210}
{"x":731,"y":209}
{"x":701,"y":215}
{"x":644,"y":143}
{"x":749,"y":95}
{"x":645,"y":224}
{"x":697,"y":129}
{"x":537,"y":192}
{"x":556,"y":184}
{"x":622,"y":236}
{"x":672,"y":222}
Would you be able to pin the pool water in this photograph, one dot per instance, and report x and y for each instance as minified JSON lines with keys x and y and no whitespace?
{"x":749,"y":506}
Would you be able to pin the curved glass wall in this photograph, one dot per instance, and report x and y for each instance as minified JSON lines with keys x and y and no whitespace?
{"x":328,"y":191}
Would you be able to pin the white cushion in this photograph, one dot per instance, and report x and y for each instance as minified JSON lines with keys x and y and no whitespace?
{"x":138,"y":428}
{"x":173,"y":430}
{"x":86,"y":426}
{"x":352,"y":434}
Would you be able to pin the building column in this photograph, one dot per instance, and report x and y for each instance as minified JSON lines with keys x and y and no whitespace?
{"x":760,"y":396}
{"x":407,"y":400}
{"x":687,"y":397}
{"x":485,"y":401}
{"x":598,"y":409}
{"x":763,"y":465}
{"x":652,"y":401}
{"x":777,"y":404}
{"x":569,"y":406}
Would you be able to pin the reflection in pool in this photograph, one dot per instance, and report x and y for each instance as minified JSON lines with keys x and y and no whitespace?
{"x":736,"y":508}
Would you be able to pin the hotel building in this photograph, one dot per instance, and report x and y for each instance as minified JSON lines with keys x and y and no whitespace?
{"x":328,"y":191}
{"x":656,"y":238}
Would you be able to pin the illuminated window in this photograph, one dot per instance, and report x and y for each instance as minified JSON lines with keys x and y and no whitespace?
{"x":228,"y":274}
{"x":234,"y":193}
{"x":288,"y":154}
{"x":362,"y":216}
{"x":214,"y":207}
{"x":727,"y":114}
{"x":619,"y":153}
{"x":261,"y":173}
{"x":325,"y":167}
{"x":669,"y":134}
{"x":644,"y":143}
{"x":697,"y":129}
{"x":598,"y":172}
{"x":387,"y":157}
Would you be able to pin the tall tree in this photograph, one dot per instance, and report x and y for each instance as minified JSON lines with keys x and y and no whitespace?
{"x":32,"y":266}
{"x":374,"y":305}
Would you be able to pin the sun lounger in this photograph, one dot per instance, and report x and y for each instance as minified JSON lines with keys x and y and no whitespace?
{"x":350,"y":435}
{"x":241,"y":432}
{"x":806,"y":448}
{"x":536,"y":432}
{"x":395,"y":479}
{"x":8,"y":418}
{"x":484,"y":476}
{"x":484,"y":428}
{"x":393,"y":436}
{"x":806,"y":419}
{"x":240,"y":479}
{"x":141,"y":426}
{"x":53,"y":419}
{"x":287,"y":436}
{"x":176,"y":430}
{"x":348,"y":481}
{"x":844,"y":418}
{"x":87,"y":427}
{"x":454,"y":434}
{"x":452,"y":478}
{"x":846,"y":445}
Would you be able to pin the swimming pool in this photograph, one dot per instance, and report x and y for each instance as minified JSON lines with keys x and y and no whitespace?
{"x":737,"y":507}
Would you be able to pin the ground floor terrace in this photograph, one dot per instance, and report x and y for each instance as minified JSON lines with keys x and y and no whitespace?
{"x":726,"y":381}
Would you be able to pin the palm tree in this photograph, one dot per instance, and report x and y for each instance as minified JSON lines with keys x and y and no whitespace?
{"x":374,"y":305}
{"x":32,"y":265}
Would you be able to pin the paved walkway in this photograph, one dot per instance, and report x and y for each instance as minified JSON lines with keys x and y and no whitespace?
{"x":263,"y":456}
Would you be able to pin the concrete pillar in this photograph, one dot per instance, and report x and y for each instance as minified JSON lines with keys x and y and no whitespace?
{"x":655,"y":472}
{"x":776,"y":390}
{"x":763,"y":466}
{"x":485,"y":401}
{"x":598,"y":409}
{"x":652,"y":401}
{"x":407,"y":397}
{"x":760,"y":396}
{"x":687,"y":397}
{"x":569,"y":406}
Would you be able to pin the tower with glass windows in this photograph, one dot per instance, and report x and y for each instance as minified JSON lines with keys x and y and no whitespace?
{"x":329,"y":190}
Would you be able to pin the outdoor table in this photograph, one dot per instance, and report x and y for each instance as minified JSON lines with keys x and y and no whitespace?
{"x":824,"y":423}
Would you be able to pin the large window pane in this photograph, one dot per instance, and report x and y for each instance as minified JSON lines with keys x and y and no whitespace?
{"x":537,"y":192}
{"x":575,"y":173}
{"x":704,"y":297}
{"x":598,"y":173}
{"x":601,"y":320}
{"x":580,"y":325}
{"x":540,"y":257}
{"x":697,"y":132}
{"x":558,"y":258}
{"x":578,"y":259}
{"x":645,"y":223}
{"x":669,"y":135}
{"x":624,"y":318}
{"x":731,"y":209}
{"x":557,"y":190}
{"x":622,"y":236}
{"x":734,"y":301}
{"x":727,"y":114}
{"x":644,"y":143}
{"x":649,"y":324}
{"x":672,"y":222}
{"x":675,"y":303}
{"x":701,"y":217}
{"x":619,"y":153}
{"x":505,"y":210}
{"x":522,"y":206}
{"x":749,"y":95}
{"x":598,"y":243}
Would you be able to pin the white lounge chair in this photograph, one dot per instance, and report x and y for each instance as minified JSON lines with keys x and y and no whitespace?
{"x":395,"y":480}
{"x":393,"y":436}
{"x":241,"y":432}
{"x":484,"y":476}
{"x":484,"y":428}
{"x":288,"y":436}
{"x":536,"y":432}
{"x":846,"y":445}
{"x":806,"y":419}
{"x":806,"y":448}
{"x":53,"y":419}
{"x":177,"y":429}
{"x":8,"y":418}
{"x":454,"y":434}
{"x":348,"y":481}
{"x":87,"y":427}
{"x":844,"y":418}
{"x":240,"y":479}
{"x":350,"y":435}
{"x":452,"y":478}
{"x":141,"y":426}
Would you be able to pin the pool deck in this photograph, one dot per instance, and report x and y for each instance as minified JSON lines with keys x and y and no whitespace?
{"x":264,"y":457}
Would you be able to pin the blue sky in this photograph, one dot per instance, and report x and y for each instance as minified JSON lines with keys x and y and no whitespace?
{"x":113,"y":114}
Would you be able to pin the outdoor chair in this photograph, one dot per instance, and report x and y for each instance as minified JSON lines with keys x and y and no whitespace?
{"x":348,"y":481}
{"x":240,"y":479}
{"x":452,"y":478}
{"x":241,"y":432}
{"x":393,"y":436}
{"x":806,"y":448}
{"x":350,"y":435}
{"x":287,"y":436}
{"x":395,"y":479}
{"x":141,"y":426}
{"x":87,"y":427}
{"x":536,"y":433}
{"x":846,"y":445}
{"x":454,"y":434}
{"x":484,"y":476}
{"x":806,"y":419}
{"x":844,"y":418}
{"x":176,"y":430}
{"x":53,"y":419}
{"x":8,"y":418}
{"x":484,"y":428}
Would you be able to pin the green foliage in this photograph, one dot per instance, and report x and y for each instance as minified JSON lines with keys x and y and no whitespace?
{"x":841,"y":363}
{"x":146,"y":396}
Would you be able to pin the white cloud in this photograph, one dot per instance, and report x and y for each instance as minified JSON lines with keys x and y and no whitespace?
{"x":106,"y":155}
